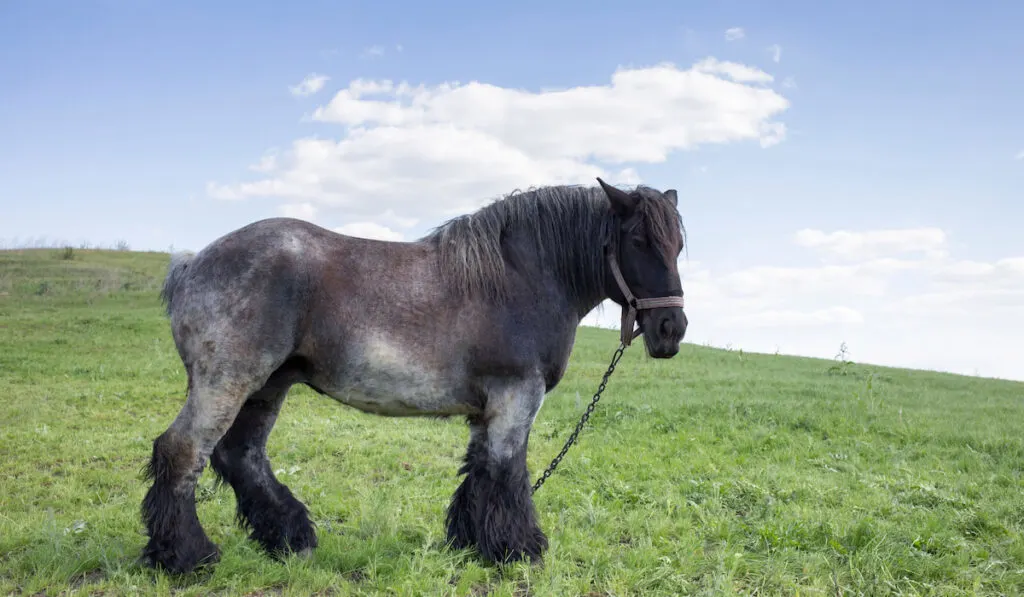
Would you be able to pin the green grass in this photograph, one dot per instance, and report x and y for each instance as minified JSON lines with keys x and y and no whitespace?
{"x":717,"y":472}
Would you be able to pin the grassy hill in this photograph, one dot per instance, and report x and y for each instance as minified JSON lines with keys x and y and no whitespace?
{"x":717,"y":472}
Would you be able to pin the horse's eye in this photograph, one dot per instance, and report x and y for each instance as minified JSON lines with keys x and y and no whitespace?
{"x":639,"y":240}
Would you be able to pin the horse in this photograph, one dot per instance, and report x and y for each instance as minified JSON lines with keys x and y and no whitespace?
{"x":477,"y":319}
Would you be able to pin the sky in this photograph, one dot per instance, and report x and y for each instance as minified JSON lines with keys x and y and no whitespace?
{"x":848,"y":173}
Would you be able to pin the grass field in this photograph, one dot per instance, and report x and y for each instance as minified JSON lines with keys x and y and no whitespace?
{"x":717,"y":472}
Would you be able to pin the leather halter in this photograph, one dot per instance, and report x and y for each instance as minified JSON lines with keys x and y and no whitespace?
{"x":634,"y":304}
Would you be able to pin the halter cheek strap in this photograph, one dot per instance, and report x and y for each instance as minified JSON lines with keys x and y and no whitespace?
{"x":633,"y":304}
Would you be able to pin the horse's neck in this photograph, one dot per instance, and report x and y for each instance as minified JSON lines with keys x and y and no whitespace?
{"x":577,"y":269}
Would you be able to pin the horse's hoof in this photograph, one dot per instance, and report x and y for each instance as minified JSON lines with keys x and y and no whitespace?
{"x":172,"y":562}
{"x":532,"y":551}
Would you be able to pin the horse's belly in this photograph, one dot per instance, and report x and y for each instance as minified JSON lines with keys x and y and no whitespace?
{"x":383,"y":378}
{"x":397,"y":403}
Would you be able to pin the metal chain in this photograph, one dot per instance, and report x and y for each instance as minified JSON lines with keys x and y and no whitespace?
{"x":583,"y":420}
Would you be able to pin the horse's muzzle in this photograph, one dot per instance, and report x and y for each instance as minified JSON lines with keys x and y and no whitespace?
{"x":663,"y":330}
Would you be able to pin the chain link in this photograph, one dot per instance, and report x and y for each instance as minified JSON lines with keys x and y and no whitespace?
{"x":583,"y":420}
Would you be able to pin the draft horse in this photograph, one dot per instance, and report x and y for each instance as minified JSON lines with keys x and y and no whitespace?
{"x":476,"y":319}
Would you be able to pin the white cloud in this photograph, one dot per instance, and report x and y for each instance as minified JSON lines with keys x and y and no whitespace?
{"x":267,"y":163}
{"x":310,"y":85}
{"x":772,"y":133}
{"x":373,"y":51}
{"x":396,"y":220}
{"x":906,"y":304}
{"x":776,"y":51}
{"x":865,"y":245}
{"x":996,"y":275}
{"x":961,"y":301}
{"x":792,"y":317}
{"x":462,"y":144}
{"x":734,"y":33}
{"x":737,"y":72}
{"x":302,"y":211}
{"x":382,"y":226}
{"x":369,"y":230}
{"x":769,"y":283}
{"x":789,"y":83}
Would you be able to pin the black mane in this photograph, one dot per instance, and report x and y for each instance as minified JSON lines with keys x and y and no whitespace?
{"x":569,"y":226}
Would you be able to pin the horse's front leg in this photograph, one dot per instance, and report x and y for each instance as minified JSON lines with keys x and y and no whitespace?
{"x":493,"y":508}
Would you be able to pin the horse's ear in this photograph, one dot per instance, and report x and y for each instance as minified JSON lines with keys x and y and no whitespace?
{"x":671,"y":196}
{"x":622,"y":202}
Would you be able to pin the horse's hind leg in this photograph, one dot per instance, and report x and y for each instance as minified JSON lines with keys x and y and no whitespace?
{"x":279,"y":521}
{"x":493,"y":507}
{"x":177,"y":541}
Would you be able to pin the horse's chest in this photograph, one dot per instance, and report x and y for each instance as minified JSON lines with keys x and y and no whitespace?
{"x":383,"y":377}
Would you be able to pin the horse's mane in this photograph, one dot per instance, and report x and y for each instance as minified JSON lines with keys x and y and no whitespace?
{"x":568,"y":226}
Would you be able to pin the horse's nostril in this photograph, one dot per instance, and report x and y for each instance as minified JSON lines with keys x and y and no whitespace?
{"x":668,"y":327}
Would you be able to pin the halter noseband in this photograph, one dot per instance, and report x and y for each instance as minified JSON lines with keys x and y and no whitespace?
{"x":633,"y":304}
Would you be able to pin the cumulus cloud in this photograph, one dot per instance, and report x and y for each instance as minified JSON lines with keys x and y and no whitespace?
{"x":770,"y":282}
{"x":791,"y":317}
{"x":302,"y":211}
{"x":267,"y":163}
{"x":1010,"y":268}
{"x":374,"y":51}
{"x":734,"y":33}
{"x":873,"y":243}
{"x":310,"y":85}
{"x":434,"y":150}
{"x":776,"y":52}
{"x":369,"y":230}
{"x":961,"y":301}
{"x":898,"y":298}
{"x":733,"y":70}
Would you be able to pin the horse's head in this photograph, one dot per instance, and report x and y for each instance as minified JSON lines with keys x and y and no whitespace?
{"x":642,"y":265}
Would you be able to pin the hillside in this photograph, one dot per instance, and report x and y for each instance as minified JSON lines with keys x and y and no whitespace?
{"x":715,"y":472}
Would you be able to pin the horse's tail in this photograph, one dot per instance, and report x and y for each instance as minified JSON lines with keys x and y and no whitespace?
{"x":175,"y":272}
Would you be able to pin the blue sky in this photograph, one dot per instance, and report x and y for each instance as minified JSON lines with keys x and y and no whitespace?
{"x":141,"y":121}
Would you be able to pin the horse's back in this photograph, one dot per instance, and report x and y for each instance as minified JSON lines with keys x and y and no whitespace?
{"x":287,"y":260}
